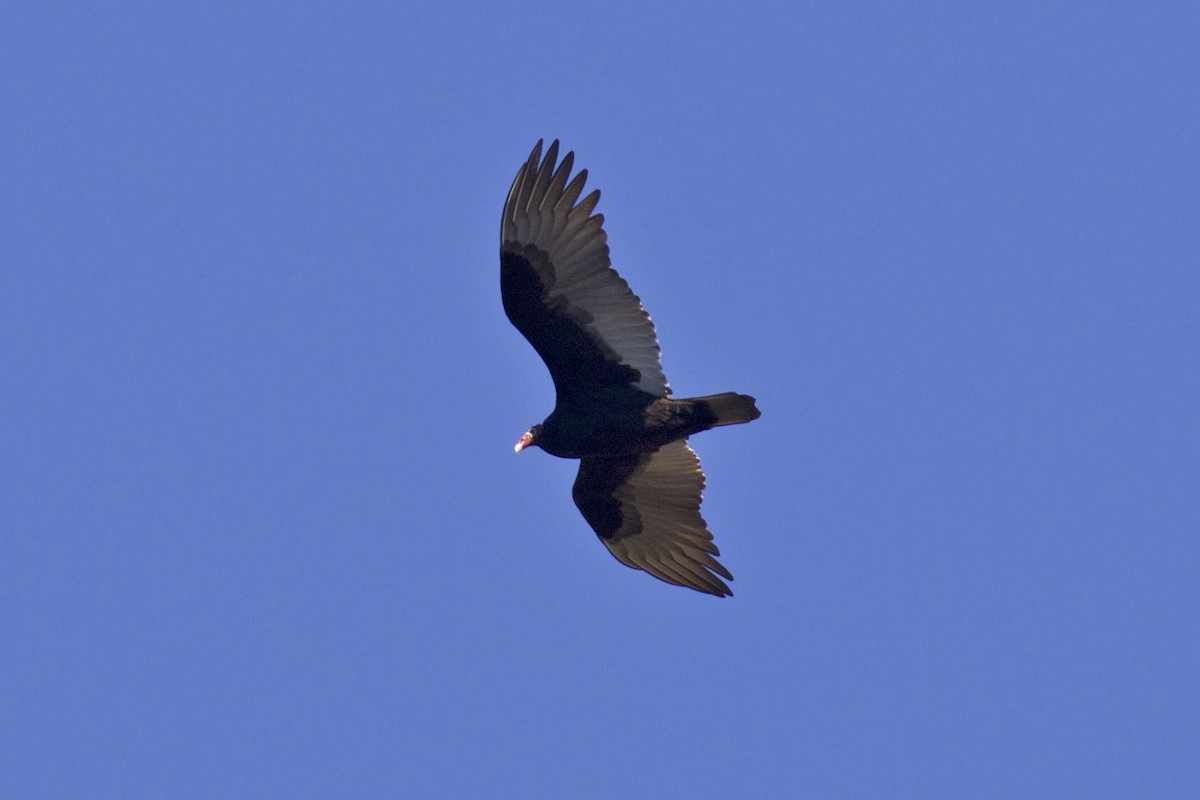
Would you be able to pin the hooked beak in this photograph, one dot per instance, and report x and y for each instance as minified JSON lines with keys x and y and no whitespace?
{"x":525,"y":440}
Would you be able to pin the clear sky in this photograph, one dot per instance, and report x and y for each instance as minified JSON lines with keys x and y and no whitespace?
{"x":264,"y":534}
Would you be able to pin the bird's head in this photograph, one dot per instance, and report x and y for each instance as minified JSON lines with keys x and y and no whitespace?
{"x":530,"y":437}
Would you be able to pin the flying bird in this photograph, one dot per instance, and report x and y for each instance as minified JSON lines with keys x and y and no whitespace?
{"x":639,"y":484}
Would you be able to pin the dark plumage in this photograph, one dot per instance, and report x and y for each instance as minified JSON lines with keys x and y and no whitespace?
{"x":639,"y":484}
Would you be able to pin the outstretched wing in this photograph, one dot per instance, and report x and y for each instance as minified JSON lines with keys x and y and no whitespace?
{"x":560,"y":291}
{"x":646,"y":509}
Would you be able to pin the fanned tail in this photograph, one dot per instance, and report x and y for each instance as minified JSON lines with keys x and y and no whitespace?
{"x":729,"y":408}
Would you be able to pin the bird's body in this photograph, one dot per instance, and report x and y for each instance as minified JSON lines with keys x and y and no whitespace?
{"x":618,"y":422}
{"x":639,"y":484}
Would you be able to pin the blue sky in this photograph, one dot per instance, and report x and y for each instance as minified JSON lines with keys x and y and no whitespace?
{"x":264,"y":532}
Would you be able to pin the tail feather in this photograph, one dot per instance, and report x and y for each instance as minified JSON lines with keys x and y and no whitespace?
{"x":729,"y":408}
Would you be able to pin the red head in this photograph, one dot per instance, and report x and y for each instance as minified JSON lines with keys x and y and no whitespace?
{"x":530,"y":437}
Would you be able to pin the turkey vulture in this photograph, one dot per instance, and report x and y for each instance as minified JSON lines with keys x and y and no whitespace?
{"x":639,"y":483}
